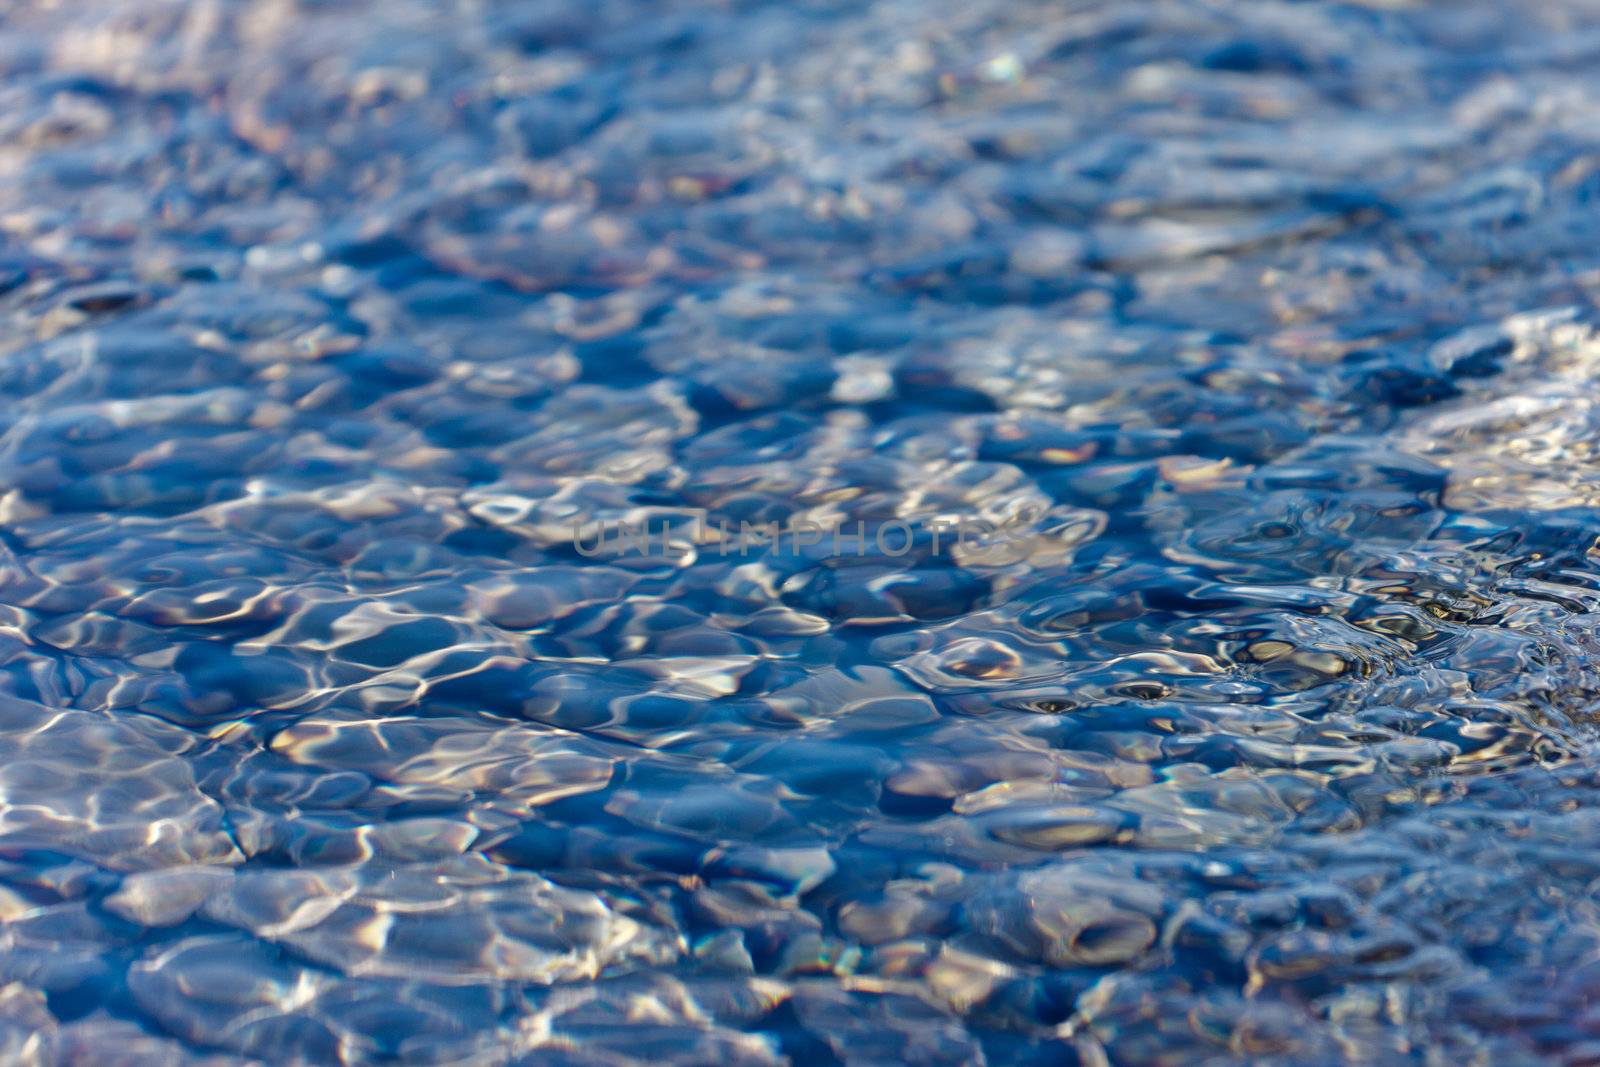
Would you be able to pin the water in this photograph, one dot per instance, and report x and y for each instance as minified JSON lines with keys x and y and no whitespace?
{"x":1265,"y":331}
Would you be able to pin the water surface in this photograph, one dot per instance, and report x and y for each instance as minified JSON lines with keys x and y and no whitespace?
{"x":1268,"y":329}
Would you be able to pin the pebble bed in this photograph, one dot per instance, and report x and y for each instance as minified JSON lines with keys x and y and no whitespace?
{"x":1266,"y":329}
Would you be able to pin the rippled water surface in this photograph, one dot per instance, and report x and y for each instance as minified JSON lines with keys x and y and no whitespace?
{"x":1267,"y":733}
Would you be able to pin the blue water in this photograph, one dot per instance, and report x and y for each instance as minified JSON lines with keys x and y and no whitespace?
{"x":1257,"y":723}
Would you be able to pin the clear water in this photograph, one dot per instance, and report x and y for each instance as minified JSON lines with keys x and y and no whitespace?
{"x":1266,"y":735}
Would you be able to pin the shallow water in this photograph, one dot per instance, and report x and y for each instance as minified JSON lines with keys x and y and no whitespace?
{"x":1262,"y":729}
